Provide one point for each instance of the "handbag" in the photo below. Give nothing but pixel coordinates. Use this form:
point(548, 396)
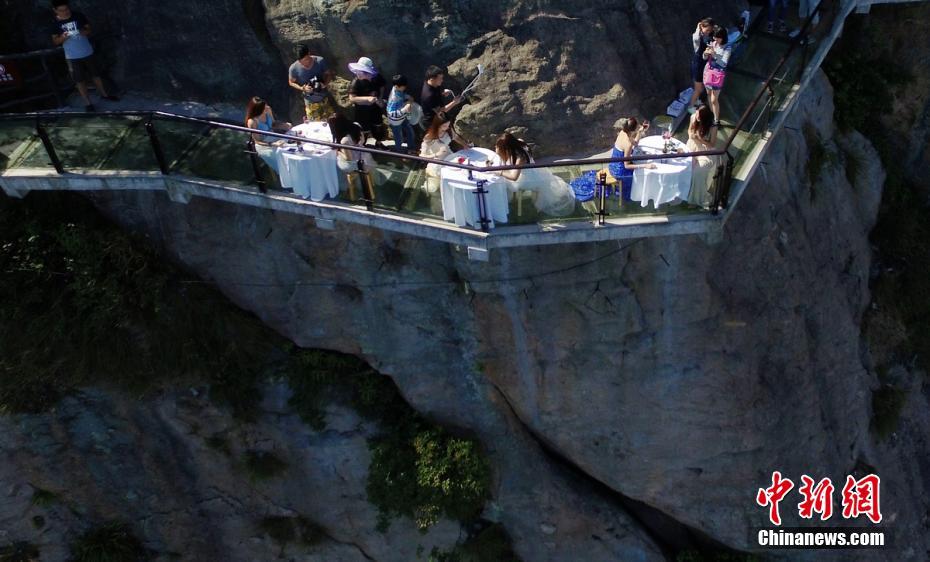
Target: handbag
point(713, 77)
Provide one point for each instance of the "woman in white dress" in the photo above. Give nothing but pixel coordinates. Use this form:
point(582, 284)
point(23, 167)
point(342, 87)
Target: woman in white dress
point(702, 135)
point(552, 195)
point(436, 141)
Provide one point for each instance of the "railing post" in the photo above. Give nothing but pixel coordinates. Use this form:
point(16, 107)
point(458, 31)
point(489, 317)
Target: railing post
point(47, 143)
point(600, 191)
point(156, 146)
point(722, 178)
point(368, 195)
point(767, 120)
point(480, 192)
point(256, 167)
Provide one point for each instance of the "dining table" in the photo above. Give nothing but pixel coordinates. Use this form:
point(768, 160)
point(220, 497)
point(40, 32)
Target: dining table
point(309, 169)
point(669, 181)
point(458, 189)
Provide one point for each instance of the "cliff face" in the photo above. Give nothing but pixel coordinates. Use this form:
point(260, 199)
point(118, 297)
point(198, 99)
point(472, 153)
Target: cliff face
point(672, 372)
point(627, 394)
point(175, 468)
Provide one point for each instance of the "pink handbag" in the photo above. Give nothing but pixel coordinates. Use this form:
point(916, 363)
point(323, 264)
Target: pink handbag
point(713, 77)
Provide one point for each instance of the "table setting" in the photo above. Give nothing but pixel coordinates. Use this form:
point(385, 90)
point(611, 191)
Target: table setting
point(459, 202)
point(309, 169)
point(670, 181)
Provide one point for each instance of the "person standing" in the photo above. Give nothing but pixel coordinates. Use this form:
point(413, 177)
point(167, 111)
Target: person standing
point(434, 99)
point(700, 39)
point(398, 108)
point(717, 55)
point(308, 75)
point(365, 93)
point(71, 31)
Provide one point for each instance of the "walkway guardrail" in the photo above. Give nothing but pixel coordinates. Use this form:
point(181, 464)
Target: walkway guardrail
point(166, 143)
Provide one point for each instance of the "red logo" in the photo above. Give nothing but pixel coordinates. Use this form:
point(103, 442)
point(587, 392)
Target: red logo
point(860, 497)
point(773, 495)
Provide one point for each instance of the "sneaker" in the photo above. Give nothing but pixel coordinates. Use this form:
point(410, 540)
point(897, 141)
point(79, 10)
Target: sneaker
point(769, 27)
point(89, 108)
point(110, 98)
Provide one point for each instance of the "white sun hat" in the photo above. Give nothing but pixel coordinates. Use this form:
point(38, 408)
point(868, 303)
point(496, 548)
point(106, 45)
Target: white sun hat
point(364, 64)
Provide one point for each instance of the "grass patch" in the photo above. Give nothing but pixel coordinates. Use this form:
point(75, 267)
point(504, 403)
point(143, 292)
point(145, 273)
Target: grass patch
point(44, 498)
point(887, 403)
point(865, 77)
point(263, 465)
point(864, 74)
point(85, 304)
point(491, 544)
point(112, 542)
point(218, 442)
point(20, 551)
point(820, 157)
point(284, 530)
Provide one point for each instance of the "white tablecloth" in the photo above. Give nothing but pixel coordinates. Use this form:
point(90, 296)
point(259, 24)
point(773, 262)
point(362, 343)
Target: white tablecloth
point(311, 173)
point(459, 203)
point(670, 181)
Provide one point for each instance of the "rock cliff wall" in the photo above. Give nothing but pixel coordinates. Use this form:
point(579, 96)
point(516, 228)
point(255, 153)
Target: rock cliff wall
point(560, 72)
point(670, 373)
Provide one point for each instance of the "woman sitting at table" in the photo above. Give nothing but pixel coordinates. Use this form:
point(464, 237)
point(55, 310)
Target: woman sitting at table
point(702, 135)
point(552, 194)
point(258, 115)
point(436, 141)
point(347, 160)
point(630, 131)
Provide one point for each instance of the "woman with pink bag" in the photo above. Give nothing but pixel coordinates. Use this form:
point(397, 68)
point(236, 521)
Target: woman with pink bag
point(717, 55)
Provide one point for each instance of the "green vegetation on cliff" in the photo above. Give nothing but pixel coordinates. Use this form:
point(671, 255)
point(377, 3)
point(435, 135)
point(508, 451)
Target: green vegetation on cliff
point(866, 78)
point(82, 303)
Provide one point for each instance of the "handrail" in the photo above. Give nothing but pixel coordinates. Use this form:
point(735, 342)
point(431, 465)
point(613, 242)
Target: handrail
point(284, 136)
point(766, 84)
point(724, 150)
point(36, 53)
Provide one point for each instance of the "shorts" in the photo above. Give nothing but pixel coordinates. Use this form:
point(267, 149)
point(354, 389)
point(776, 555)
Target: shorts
point(697, 68)
point(318, 111)
point(82, 69)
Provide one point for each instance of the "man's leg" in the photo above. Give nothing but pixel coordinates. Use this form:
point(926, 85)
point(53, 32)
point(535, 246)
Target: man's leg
point(82, 89)
point(101, 90)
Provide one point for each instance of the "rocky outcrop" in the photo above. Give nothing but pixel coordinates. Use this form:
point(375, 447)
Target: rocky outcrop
point(174, 469)
point(673, 374)
point(559, 72)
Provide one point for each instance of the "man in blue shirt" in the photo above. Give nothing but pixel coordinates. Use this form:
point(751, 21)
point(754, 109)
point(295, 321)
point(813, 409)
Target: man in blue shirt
point(71, 30)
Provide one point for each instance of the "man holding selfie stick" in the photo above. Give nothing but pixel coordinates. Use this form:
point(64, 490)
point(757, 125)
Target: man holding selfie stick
point(70, 31)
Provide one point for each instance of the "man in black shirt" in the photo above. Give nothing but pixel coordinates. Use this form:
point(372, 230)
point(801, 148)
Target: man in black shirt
point(71, 31)
point(434, 99)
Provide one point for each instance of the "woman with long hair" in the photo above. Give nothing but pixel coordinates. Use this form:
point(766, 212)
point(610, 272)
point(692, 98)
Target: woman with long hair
point(702, 136)
point(258, 115)
point(436, 145)
point(552, 194)
point(628, 134)
point(717, 55)
point(350, 134)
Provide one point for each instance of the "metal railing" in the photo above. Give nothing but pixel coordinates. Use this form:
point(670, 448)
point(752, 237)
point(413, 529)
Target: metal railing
point(722, 178)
